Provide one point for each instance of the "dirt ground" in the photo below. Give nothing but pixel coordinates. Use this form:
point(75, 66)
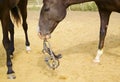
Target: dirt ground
point(76, 38)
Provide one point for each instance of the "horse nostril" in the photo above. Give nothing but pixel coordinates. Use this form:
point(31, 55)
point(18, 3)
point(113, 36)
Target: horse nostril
point(48, 36)
point(43, 36)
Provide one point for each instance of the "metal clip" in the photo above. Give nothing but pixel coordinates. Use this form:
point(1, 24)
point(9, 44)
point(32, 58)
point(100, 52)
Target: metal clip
point(52, 60)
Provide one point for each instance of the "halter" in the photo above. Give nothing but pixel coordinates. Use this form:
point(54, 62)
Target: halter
point(51, 60)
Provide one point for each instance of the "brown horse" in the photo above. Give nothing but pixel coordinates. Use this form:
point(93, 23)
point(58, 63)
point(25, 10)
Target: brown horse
point(54, 11)
point(16, 7)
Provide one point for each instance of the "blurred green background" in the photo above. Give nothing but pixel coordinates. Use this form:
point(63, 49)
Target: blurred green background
point(88, 6)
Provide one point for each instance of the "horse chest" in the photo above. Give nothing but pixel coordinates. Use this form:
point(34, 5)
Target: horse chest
point(2, 3)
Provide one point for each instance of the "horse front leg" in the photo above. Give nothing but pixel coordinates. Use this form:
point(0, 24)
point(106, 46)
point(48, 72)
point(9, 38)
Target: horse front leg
point(23, 10)
point(6, 43)
point(104, 19)
point(11, 30)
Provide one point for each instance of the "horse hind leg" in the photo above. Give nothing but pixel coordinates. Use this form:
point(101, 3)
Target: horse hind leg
point(25, 27)
point(104, 17)
point(23, 11)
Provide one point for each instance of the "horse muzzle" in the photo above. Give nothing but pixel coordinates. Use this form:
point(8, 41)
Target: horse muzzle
point(47, 36)
point(43, 34)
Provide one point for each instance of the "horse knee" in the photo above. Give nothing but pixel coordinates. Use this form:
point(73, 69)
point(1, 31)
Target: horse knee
point(102, 33)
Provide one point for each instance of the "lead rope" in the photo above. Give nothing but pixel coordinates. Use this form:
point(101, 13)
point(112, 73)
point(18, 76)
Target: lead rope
point(51, 60)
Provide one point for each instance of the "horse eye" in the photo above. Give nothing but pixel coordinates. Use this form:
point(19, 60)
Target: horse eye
point(46, 9)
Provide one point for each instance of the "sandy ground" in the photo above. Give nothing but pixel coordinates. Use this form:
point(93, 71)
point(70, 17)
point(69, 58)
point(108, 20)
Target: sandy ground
point(76, 38)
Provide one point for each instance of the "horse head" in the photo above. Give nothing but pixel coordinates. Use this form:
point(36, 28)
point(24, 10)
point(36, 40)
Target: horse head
point(52, 12)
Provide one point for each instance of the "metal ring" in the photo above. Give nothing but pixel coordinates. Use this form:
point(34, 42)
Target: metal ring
point(52, 60)
point(52, 63)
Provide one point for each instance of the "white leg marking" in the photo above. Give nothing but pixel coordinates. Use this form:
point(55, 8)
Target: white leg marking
point(11, 76)
point(97, 58)
point(28, 48)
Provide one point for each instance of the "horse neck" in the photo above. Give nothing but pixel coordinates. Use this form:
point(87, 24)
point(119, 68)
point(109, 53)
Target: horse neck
point(71, 2)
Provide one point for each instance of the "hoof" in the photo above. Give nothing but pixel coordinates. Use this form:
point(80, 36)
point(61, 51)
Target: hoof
point(28, 52)
point(11, 76)
point(96, 60)
point(28, 49)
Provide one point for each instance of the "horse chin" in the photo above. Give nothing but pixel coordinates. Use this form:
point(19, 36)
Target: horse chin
point(44, 36)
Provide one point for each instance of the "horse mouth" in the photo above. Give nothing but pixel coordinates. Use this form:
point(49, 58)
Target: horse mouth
point(47, 36)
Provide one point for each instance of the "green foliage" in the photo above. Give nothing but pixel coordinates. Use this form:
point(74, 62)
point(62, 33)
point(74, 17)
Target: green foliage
point(33, 7)
point(89, 6)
